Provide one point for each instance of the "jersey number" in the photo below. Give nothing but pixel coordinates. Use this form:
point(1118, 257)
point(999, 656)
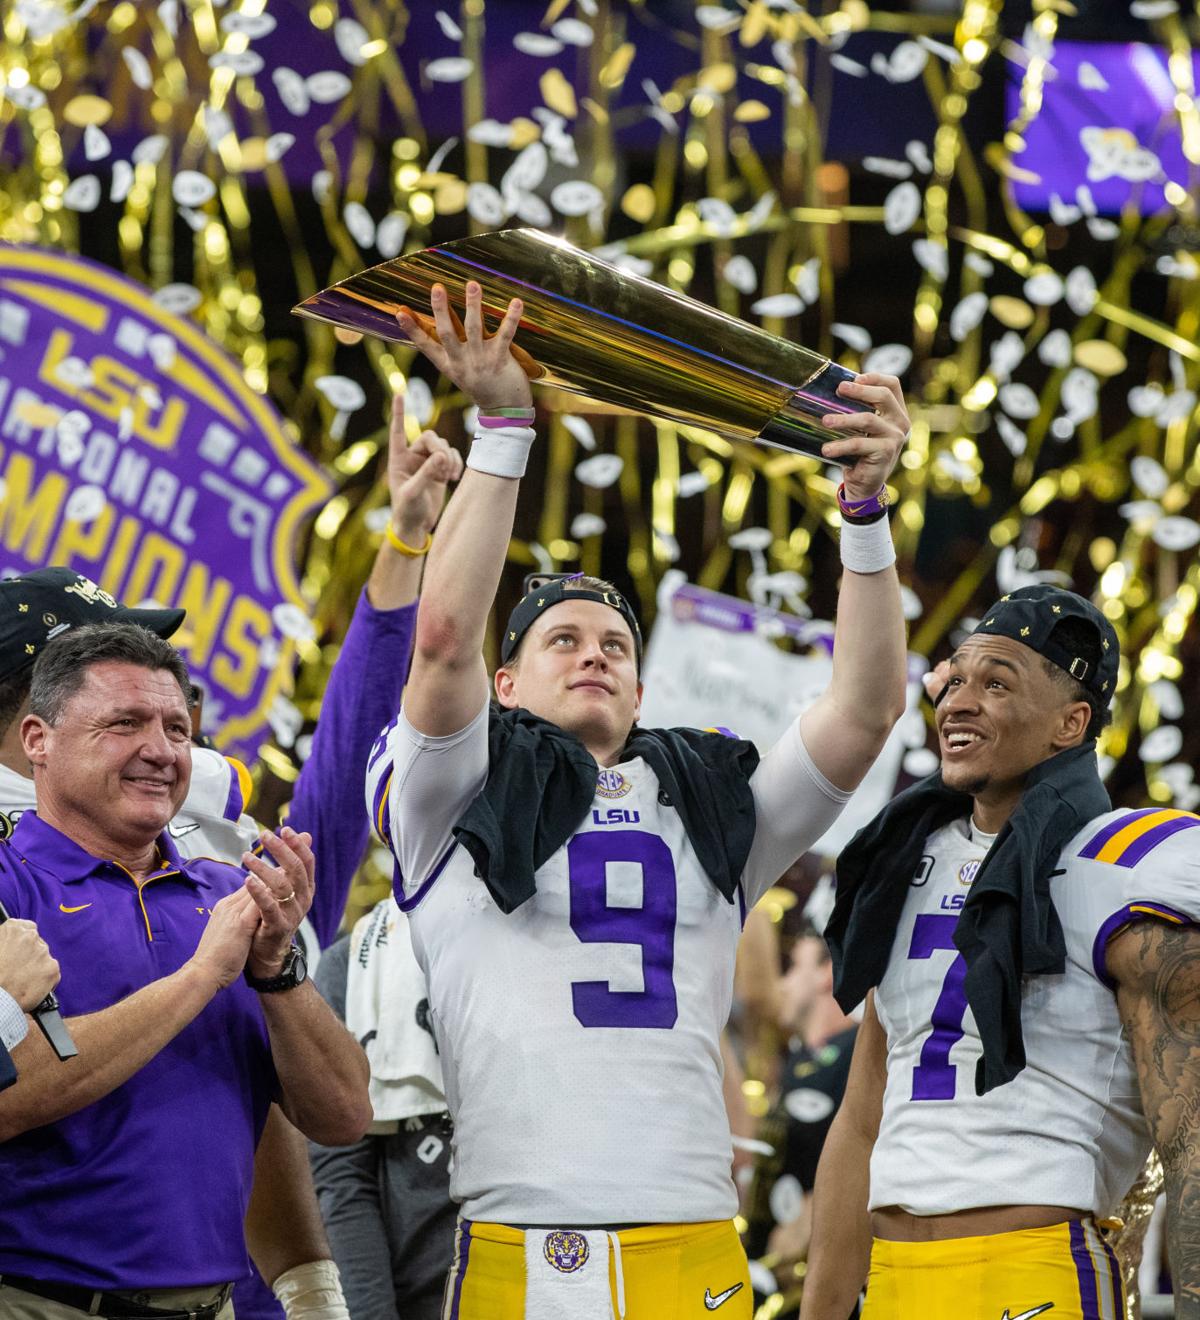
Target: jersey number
point(651, 927)
point(935, 1075)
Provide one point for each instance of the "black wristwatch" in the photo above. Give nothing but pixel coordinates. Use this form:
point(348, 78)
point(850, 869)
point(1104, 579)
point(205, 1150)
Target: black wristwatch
point(294, 972)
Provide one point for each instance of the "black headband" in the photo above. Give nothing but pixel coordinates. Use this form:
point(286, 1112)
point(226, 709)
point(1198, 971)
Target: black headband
point(544, 594)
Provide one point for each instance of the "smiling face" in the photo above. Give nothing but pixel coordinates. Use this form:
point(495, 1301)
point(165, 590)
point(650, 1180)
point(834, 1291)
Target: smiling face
point(577, 667)
point(115, 766)
point(1002, 714)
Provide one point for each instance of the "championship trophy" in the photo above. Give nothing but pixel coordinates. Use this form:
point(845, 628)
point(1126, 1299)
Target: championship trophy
point(610, 336)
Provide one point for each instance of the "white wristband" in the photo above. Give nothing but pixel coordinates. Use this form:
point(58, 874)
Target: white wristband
point(501, 451)
point(312, 1291)
point(867, 547)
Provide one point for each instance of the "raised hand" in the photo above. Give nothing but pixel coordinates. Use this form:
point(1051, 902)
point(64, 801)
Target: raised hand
point(282, 893)
point(417, 476)
point(485, 366)
point(225, 944)
point(873, 440)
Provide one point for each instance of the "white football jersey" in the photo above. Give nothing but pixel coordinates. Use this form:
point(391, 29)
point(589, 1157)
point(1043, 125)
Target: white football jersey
point(1068, 1130)
point(580, 1034)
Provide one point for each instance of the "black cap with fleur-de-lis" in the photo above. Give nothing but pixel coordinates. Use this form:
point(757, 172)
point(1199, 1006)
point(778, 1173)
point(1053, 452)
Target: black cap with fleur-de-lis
point(1036, 617)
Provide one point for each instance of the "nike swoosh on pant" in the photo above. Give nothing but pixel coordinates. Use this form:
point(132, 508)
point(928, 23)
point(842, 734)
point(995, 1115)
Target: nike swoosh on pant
point(713, 1302)
point(1028, 1315)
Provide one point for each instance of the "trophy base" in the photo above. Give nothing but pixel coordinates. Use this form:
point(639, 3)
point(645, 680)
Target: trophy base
point(797, 427)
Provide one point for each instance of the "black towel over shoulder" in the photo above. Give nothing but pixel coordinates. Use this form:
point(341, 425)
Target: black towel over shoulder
point(542, 780)
point(1008, 926)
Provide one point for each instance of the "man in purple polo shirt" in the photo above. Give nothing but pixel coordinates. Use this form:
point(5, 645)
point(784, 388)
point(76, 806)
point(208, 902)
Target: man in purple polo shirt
point(127, 1171)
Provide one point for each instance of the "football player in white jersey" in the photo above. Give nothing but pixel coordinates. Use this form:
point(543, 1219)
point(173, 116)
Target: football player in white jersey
point(983, 1162)
point(579, 983)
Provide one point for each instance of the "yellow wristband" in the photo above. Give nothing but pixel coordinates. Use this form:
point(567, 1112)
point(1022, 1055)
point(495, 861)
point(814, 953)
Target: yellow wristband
point(413, 552)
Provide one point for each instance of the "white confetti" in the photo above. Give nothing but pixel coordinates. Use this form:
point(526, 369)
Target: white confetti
point(527, 170)
point(293, 622)
point(717, 213)
point(717, 19)
point(741, 272)
point(1169, 701)
point(1018, 401)
point(360, 224)
point(918, 153)
point(391, 233)
point(856, 337)
point(82, 194)
point(162, 348)
point(450, 69)
point(907, 62)
point(1149, 476)
point(573, 32)
point(967, 315)
point(901, 208)
point(277, 145)
point(122, 181)
point(932, 257)
point(1146, 400)
point(1091, 78)
point(449, 27)
point(1055, 349)
point(178, 298)
point(752, 538)
point(1080, 394)
point(581, 430)
point(890, 169)
point(1161, 744)
point(1176, 533)
point(351, 37)
point(491, 132)
point(168, 16)
point(138, 66)
point(245, 63)
point(576, 197)
point(27, 97)
point(75, 372)
point(85, 504)
point(939, 48)
point(531, 210)
point(808, 280)
point(1044, 289)
point(536, 43)
point(1176, 407)
point(1006, 354)
point(292, 89)
point(248, 25)
point(217, 126)
point(889, 359)
point(1142, 514)
point(600, 470)
point(1152, 9)
point(327, 86)
point(692, 483)
point(485, 204)
point(667, 543)
point(844, 64)
point(977, 262)
point(587, 524)
point(1103, 231)
point(418, 401)
point(191, 188)
point(779, 304)
point(1012, 435)
point(150, 150)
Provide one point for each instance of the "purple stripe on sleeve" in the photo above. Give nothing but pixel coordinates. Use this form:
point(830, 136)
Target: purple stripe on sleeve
point(464, 1253)
point(407, 904)
point(1085, 1272)
point(1115, 827)
point(233, 800)
point(1122, 917)
point(1152, 838)
point(742, 904)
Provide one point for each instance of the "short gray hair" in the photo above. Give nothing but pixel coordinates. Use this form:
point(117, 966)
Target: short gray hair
point(61, 669)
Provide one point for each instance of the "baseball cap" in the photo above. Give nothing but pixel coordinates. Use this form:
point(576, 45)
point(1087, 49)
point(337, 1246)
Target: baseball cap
point(1033, 615)
point(39, 605)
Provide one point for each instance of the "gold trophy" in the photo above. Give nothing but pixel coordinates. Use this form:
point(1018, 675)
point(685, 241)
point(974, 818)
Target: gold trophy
point(610, 336)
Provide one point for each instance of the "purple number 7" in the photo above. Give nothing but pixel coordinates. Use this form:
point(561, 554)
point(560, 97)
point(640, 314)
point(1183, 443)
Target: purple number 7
point(652, 926)
point(934, 1076)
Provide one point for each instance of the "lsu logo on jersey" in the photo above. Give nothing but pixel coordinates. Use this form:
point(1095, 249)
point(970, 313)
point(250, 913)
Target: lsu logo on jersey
point(612, 784)
point(566, 1252)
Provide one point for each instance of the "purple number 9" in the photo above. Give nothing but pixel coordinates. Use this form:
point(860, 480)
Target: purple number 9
point(651, 926)
point(934, 1077)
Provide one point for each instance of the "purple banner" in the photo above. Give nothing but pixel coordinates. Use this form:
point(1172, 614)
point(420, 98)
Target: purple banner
point(132, 450)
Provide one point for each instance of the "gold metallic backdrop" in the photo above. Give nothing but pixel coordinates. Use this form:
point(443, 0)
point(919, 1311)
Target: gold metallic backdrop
point(1053, 394)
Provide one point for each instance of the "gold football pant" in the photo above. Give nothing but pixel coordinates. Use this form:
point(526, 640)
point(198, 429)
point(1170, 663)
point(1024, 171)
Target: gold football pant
point(659, 1272)
point(1067, 1271)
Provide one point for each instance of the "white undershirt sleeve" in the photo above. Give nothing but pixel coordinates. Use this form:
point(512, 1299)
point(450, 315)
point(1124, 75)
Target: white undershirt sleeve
point(434, 780)
point(795, 804)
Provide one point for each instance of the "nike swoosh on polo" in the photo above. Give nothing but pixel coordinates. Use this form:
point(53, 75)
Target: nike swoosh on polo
point(178, 831)
point(62, 907)
point(721, 1298)
point(1027, 1315)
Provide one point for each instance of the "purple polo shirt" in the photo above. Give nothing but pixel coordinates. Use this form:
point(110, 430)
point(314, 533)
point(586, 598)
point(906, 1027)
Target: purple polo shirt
point(147, 1187)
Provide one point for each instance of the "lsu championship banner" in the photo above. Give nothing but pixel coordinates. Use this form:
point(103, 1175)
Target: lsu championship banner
point(133, 451)
point(712, 662)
